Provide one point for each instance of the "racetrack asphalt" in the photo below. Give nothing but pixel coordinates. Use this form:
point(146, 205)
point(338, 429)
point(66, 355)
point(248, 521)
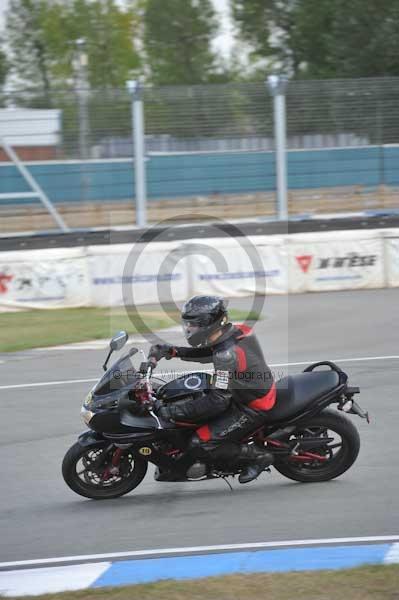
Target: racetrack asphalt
point(40, 517)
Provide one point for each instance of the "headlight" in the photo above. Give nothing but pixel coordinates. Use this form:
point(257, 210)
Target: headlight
point(87, 415)
point(88, 403)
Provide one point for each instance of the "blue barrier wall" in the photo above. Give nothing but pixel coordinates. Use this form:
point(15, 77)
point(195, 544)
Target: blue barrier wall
point(202, 174)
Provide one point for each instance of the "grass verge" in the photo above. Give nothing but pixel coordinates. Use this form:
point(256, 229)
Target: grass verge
point(41, 328)
point(366, 583)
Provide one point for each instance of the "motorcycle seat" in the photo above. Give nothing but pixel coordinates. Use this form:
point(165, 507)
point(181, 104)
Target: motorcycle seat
point(297, 392)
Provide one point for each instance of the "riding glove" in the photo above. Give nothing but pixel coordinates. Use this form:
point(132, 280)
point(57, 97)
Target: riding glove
point(159, 351)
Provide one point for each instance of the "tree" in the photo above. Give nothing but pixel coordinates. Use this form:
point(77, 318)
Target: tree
point(268, 26)
point(42, 37)
point(3, 68)
point(364, 38)
point(177, 41)
point(108, 31)
point(30, 55)
point(321, 38)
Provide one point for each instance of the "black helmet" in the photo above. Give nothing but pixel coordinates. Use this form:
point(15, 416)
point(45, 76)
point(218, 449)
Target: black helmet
point(202, 316)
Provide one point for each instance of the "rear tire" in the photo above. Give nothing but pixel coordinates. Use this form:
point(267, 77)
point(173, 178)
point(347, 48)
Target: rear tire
point(83, 481)
point(338, 463)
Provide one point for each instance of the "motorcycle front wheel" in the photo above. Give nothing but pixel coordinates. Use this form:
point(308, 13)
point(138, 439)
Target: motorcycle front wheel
point(86, 470)
point(337, 455)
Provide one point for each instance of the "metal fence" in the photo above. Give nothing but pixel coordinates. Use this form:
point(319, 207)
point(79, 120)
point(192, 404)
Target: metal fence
point(209, 150)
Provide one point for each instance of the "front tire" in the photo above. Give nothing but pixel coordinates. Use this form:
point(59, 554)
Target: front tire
point(84, 479)
point(333, 423)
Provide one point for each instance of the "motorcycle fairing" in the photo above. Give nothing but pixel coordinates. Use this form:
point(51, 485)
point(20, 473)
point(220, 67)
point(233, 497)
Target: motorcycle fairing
point(138, 424)
point(90, 438)
point(121, 374)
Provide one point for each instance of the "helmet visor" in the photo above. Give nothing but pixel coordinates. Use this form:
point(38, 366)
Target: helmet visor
point(190, 328)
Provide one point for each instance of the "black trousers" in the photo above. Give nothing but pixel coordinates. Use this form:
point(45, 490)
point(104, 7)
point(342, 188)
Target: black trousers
point(233, 425)
point(221, 438)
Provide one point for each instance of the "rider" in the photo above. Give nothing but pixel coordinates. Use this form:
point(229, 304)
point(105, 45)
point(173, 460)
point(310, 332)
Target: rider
point(241, 392)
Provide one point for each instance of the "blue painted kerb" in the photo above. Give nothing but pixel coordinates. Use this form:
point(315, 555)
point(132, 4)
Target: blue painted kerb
point(261, 561)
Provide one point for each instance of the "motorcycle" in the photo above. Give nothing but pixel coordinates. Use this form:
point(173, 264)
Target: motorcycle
point(310, 441)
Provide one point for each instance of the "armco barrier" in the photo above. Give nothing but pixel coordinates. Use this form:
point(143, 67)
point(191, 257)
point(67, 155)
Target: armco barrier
point(171, 271)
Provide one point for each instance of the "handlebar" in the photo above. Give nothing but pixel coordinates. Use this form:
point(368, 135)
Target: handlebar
point(144, 391)
point(147, 367)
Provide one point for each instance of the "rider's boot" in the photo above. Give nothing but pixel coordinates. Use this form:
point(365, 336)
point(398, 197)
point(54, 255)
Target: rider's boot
point(165, 475)
point(254, 460)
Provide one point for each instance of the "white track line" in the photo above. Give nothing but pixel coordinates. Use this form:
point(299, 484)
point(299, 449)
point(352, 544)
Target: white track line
point(177, 373)
point(202, 549)
point(338, 360)
point(45, 383)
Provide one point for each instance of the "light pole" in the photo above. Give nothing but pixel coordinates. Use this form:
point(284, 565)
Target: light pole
point(277, 85)
point(135, 90)
point(82, 87)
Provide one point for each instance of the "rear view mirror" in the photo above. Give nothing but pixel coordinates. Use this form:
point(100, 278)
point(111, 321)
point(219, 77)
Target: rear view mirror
point(118, 340)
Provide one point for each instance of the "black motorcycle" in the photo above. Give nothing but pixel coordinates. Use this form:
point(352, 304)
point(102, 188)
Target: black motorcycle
point(310, 442)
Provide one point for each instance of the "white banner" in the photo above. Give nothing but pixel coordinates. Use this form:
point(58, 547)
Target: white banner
point(392, 259)
point(317, 266)
point(140, 274)
point(238, 267)
point(44, 278)
point(169, 272)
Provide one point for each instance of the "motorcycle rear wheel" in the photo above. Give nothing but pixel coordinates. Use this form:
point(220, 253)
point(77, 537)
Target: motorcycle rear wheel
point(337, 463)
point(88, 482)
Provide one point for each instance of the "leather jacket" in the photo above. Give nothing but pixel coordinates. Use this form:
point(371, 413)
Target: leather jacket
point(241, 377)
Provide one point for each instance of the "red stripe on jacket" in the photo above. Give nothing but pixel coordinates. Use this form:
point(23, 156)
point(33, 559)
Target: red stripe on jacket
point(245, 329)
point(266, 402)
point(241, 359)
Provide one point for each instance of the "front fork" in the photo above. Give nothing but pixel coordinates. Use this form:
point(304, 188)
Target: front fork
point(113, 469)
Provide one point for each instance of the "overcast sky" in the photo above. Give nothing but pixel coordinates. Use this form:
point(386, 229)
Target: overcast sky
point(223, 42)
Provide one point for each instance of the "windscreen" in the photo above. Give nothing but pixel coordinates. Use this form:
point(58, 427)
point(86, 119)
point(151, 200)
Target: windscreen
point(121, 374)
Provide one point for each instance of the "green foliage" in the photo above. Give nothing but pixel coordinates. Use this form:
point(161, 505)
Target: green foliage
point(108, 31)
point(364, 38)
point(30, 58)
point(42, 36)
point(3, 75)
point(3, 67)
point(177, 38)
point(217, 111)
point(268, 26)
point(323, 39)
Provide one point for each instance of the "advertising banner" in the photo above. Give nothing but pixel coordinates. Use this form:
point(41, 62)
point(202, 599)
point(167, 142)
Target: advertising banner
point(134, 275)
point(329, 265)
point(392, 260)
point(44, 279)
point(170, 272)
point(238, 267)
